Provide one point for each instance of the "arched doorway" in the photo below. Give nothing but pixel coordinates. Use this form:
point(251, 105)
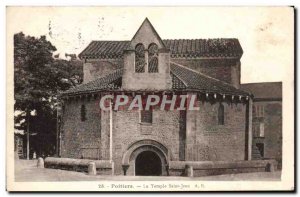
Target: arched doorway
point(130, 163)
point(148, 163)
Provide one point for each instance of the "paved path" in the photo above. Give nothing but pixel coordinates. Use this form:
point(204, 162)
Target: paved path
point(27, 171)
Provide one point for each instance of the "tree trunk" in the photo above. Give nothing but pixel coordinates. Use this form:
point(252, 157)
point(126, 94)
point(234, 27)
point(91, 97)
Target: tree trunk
point(57, 133)
point(28, 134)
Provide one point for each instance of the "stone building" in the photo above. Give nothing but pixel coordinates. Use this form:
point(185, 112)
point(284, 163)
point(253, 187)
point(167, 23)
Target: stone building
point(154, 141)
point(267, 120)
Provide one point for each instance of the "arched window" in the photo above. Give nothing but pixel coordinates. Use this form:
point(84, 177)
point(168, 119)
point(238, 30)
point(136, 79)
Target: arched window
point(221, 114)
point(83, 113)
point(139, 58)
point(153, 58)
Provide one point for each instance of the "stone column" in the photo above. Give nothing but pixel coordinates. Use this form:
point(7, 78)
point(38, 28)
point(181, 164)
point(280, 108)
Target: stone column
point(189, 171)
point(249, 130)
point(125, 168)
point(182, 135)
point(105, 132)
point(129, 69)
point(146, 61)
point(92, 168)
point(87, 77)
point(236, 74)
point(191, 120)
point(110, 131)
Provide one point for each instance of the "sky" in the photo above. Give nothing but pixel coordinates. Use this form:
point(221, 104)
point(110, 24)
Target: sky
point(266, 33)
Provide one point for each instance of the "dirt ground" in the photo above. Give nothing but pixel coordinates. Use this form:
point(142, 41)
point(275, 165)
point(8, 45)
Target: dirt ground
point(26, 171)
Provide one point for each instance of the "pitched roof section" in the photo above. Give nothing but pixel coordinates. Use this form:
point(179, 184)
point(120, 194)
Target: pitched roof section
point(265, 90)
point(145, 23)
point(183, 79)
point(179, 48)
point(177, 84)
point(112, 81)
point(204, 47)
point(200, 82)
point(104, 49)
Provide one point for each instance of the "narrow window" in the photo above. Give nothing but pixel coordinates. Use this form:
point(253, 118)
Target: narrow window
point(255, 130)
point(221, 114)
point(83, 113)
point(254, 111)
point(261, 129)
point(146, 116)
point(262, 111)
point(259, 111)
point(153, 58)
point(139, 58)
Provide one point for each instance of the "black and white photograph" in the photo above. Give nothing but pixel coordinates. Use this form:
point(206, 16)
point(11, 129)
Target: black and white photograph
point(150, 98)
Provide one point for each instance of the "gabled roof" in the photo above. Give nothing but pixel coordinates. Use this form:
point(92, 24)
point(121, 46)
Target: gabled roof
point(147, 22)
point(183, 79)
point(264, 90)
point(178, 48)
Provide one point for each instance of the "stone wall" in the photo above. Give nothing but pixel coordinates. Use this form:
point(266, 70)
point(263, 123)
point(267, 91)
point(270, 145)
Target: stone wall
point(227, 70)
point(204, 139)
point(208, 168)
point(93, 69)
point(146, 81)
point(272, 120)
point(208, 141)
point(81, 139)
point(127, 130)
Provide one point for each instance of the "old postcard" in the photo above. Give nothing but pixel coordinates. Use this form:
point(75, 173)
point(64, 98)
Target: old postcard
point(150, 98)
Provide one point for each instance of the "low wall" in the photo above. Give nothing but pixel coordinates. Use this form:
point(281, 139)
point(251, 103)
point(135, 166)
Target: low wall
point(207, 168)
point(176, 168)
point(103, 167)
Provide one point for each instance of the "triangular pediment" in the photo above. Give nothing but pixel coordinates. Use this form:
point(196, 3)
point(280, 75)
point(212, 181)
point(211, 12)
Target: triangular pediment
point(146, 35)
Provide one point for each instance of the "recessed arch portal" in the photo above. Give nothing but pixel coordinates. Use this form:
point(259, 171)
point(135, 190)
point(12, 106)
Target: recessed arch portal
point(135, 155)
point(148, 163)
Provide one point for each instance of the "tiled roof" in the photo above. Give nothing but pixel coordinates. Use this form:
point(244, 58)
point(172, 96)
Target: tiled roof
point(204, 47)
point(112, 81)
point(104, 49)
point(177, 84)
point(264, 90)
point(200, 82)
point(183, 78)
point(179, 48)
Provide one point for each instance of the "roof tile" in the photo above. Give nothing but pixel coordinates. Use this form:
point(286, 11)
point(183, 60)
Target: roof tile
point(178, 48)
point(183, 78)
point(200, 82)
point(111, 81)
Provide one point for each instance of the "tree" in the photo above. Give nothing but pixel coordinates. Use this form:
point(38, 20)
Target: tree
point(38, 78)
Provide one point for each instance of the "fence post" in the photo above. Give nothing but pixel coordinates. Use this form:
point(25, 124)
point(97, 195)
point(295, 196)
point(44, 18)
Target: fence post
point(40, 162)
point(189, 171)
point(92, 168)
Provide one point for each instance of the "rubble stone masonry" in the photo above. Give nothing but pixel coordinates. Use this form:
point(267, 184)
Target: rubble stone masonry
point(195, 136)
